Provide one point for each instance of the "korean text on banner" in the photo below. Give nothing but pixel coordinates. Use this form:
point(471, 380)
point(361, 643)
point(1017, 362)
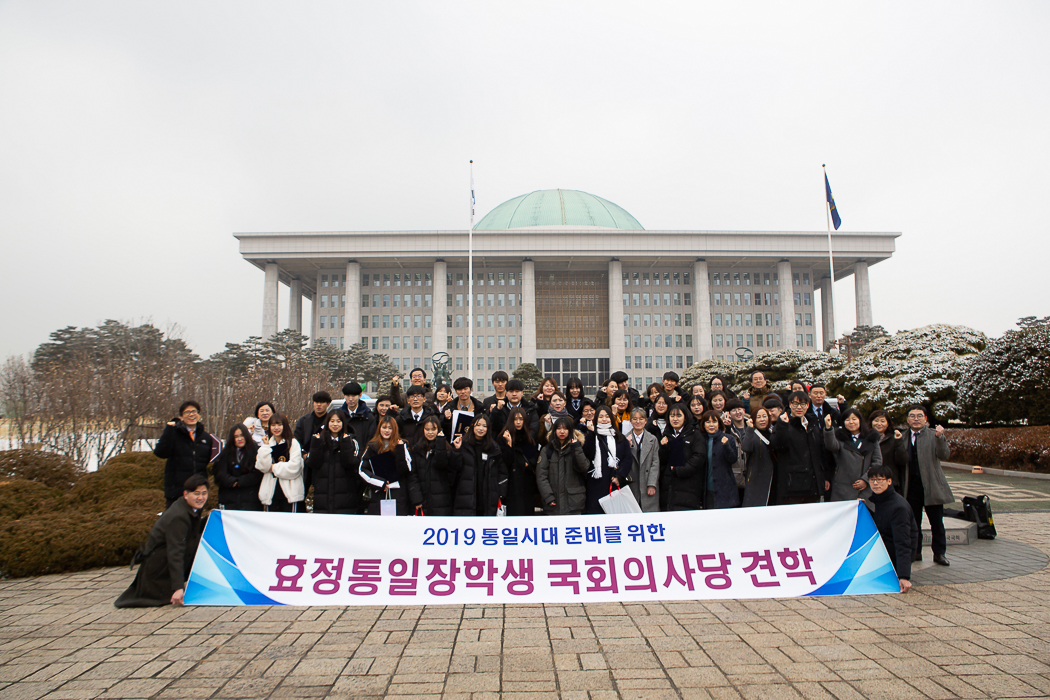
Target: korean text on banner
point(248, 558)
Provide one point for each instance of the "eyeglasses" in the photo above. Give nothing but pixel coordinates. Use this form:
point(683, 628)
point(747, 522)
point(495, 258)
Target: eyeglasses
point(799, 403)
point(878, 480)
point(190, 412)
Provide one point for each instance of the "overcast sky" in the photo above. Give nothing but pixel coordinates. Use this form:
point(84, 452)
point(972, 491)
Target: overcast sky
point(137, 137)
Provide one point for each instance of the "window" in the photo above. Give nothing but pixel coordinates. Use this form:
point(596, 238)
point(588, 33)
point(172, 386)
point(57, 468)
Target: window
point(689, 341)
point(678, 319)
point(717, 299)
point(718, 319)
point(809, 319)
point(747, 319)
point(806, 298)
point(324, 280)
point(364, 300)
point(429, 281)
point(798, 299)
point(459, 320)
point(678, 341)
point(798, 340)
point(459, 342)
point(637, 341)
point(397, 321)
point(736, 278)
point(750, 341)
point(645, 297)
point(375, 322)
point(677, 299)
point(637, 319)
point(492, 320)
point(417, 321)
point(739, 319)
point(805, 278)
point(426, 342)
point(492, 300)
point(364, 280)
point(636, 299)
point(645, 320)
point(688, 299)
point(459, 300)
point(417, 300)
point(375, 342)
point(459, 279)
point(747, 299)
point(809, 340)
point(675, 277)
point(364, 321)
point(448, 321)
point(798, 319)
point(645, 278)
point(324, 301)
point(688, 319)
point(322, 321)
point(627, 320)
point(428, 300)
point(758, 319)
point(386, 343)
point(648, 361)
point(416, 342)
point(685, 278)
point(501, 320)
point(658, 341)
point(728, 301)
point(656, 319)
point(656, 299)
point(481, 300)
point(747, 279)
point(729, 340)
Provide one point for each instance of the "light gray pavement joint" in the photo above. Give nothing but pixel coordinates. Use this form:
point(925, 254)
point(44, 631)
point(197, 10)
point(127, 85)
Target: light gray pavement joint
point(60, 638)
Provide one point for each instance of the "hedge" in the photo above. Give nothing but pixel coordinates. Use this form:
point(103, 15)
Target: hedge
point(1024, 449)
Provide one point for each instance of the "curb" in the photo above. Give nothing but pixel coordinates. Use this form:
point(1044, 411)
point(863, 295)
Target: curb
point(996, 472)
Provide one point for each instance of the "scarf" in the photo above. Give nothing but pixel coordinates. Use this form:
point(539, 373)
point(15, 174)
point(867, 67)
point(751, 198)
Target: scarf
point(605, 454)
point(555, 415)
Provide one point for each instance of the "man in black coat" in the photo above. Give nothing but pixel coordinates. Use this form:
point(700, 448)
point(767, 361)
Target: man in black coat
point(624, 382)
point(465, 403)
point(798, 441)
point(359, 418)
point(515, 399)
point(167, 556)
point(310, 425)
point(410, 418)
point(187, 447)
point(895, 521)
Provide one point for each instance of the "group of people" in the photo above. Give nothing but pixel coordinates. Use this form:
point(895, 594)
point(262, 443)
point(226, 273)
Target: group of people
point(441, 451)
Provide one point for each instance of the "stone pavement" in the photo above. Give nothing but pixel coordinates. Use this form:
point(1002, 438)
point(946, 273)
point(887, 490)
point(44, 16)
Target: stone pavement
point(60, 637)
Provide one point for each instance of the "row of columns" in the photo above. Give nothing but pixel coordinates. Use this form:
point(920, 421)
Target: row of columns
point(351, 331)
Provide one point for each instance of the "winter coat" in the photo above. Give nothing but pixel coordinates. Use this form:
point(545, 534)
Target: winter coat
point(481, 482)
point(434, 474)
point(896, 524)
point(645, 470)
point(498, 418)
point(362, 421)
point(305, 428)
point(755, 399)
point(167, 557)
point(894, 454)
point(800, 467)
point(334, 464)
point(722, 491)
point(521, 476)
point(464, 421)
point(931, 450)
point(185, 456)
point(654, 428)
point(683, 470)
point(229, 471)
point(636, 399)
point(577, 410)
point(561, 477)
point(852, 462)
point(599, 488)
point(411, 430)
point(393, 467)
point(740, 465)
point(288, 473)
point(760, 489)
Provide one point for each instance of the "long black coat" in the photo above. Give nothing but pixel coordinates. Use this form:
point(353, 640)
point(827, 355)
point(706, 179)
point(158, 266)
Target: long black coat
point(894, 453)
point(464, 421)
point(896, 524)
point(406, 493)
point(434, 472)
point(521, 476)
point(362, 422)
point(682, 486)
point(499, 417)
point(337, 484)
point(238, 481)
point(761, 468)
point(722, 491)
point(481, 480)
point(800, 466)
point(599, 488)
point(168, 556)
point(185, 456)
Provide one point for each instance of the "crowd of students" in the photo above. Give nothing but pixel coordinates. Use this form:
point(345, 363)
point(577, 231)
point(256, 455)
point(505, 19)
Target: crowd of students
point(441, 451)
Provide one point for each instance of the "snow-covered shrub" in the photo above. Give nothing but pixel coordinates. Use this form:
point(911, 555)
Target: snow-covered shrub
point(917, 366)
point(781, 366)
point(704, 371)
point(1009, 380)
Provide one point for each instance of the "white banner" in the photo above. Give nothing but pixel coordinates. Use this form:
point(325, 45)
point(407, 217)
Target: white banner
point(310, 559)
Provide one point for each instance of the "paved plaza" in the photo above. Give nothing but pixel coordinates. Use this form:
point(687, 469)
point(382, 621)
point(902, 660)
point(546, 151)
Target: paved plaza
point(60, 637)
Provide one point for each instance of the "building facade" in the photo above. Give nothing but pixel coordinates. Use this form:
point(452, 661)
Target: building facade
point(566, 280)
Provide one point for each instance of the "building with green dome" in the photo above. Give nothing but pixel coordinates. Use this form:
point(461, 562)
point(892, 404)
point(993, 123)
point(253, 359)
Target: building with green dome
point(567, 280)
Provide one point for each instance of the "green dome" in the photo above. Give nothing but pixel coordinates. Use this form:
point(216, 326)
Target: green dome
point(557, 208)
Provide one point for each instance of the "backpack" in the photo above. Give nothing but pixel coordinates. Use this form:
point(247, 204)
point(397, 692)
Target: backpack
point(978, 509)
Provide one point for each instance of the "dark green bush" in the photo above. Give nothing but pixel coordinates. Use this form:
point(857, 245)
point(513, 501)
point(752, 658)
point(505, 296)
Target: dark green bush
point(47, 468)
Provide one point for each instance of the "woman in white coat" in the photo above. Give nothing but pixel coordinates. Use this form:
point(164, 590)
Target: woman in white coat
point(645, 473)
point(280, 459)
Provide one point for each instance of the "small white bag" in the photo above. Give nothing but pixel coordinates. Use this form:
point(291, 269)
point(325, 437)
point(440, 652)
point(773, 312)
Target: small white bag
point(388, 506)
point(619, 502)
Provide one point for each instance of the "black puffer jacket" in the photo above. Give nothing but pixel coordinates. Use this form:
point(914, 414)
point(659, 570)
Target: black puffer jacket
point(720, 488)
point(362, 422)
point(434, 471)
point(561, 477)
point(186, 456)
point(238, 479)
point(896, 524)
point(393, 467)
point(683, 470)
point(333, 465)
point(481, 481)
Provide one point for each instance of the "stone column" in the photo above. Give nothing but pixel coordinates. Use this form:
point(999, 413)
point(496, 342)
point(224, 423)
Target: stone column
point(315, 330)
point(352, 311)
point(827, 311)
point(787, 305)
point(528, 311)
point(271, 280)
point(439, 331)
point(295, 305)
point(616, 351)
point(860, 280)
point(702, 304)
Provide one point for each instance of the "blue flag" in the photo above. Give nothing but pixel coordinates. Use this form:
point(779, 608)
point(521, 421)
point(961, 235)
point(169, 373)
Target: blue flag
point(831, 203)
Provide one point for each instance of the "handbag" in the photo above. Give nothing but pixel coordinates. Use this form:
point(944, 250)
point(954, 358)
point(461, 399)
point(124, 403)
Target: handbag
point(619, 502)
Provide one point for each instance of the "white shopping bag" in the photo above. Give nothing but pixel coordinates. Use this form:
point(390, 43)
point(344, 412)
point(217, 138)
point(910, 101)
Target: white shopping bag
point(388, 506)
point(619, 502)
point(501, 510)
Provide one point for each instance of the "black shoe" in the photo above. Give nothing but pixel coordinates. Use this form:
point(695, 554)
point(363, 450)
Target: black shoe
point(940, 559)
point(917, 556)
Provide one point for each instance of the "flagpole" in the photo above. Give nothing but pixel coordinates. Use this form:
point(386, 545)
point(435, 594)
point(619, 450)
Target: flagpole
point(831, 259)
point(470, 279)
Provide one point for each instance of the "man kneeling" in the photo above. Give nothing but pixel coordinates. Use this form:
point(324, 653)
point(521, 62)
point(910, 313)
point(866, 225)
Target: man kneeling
point(896, 524)
point(168, 553)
